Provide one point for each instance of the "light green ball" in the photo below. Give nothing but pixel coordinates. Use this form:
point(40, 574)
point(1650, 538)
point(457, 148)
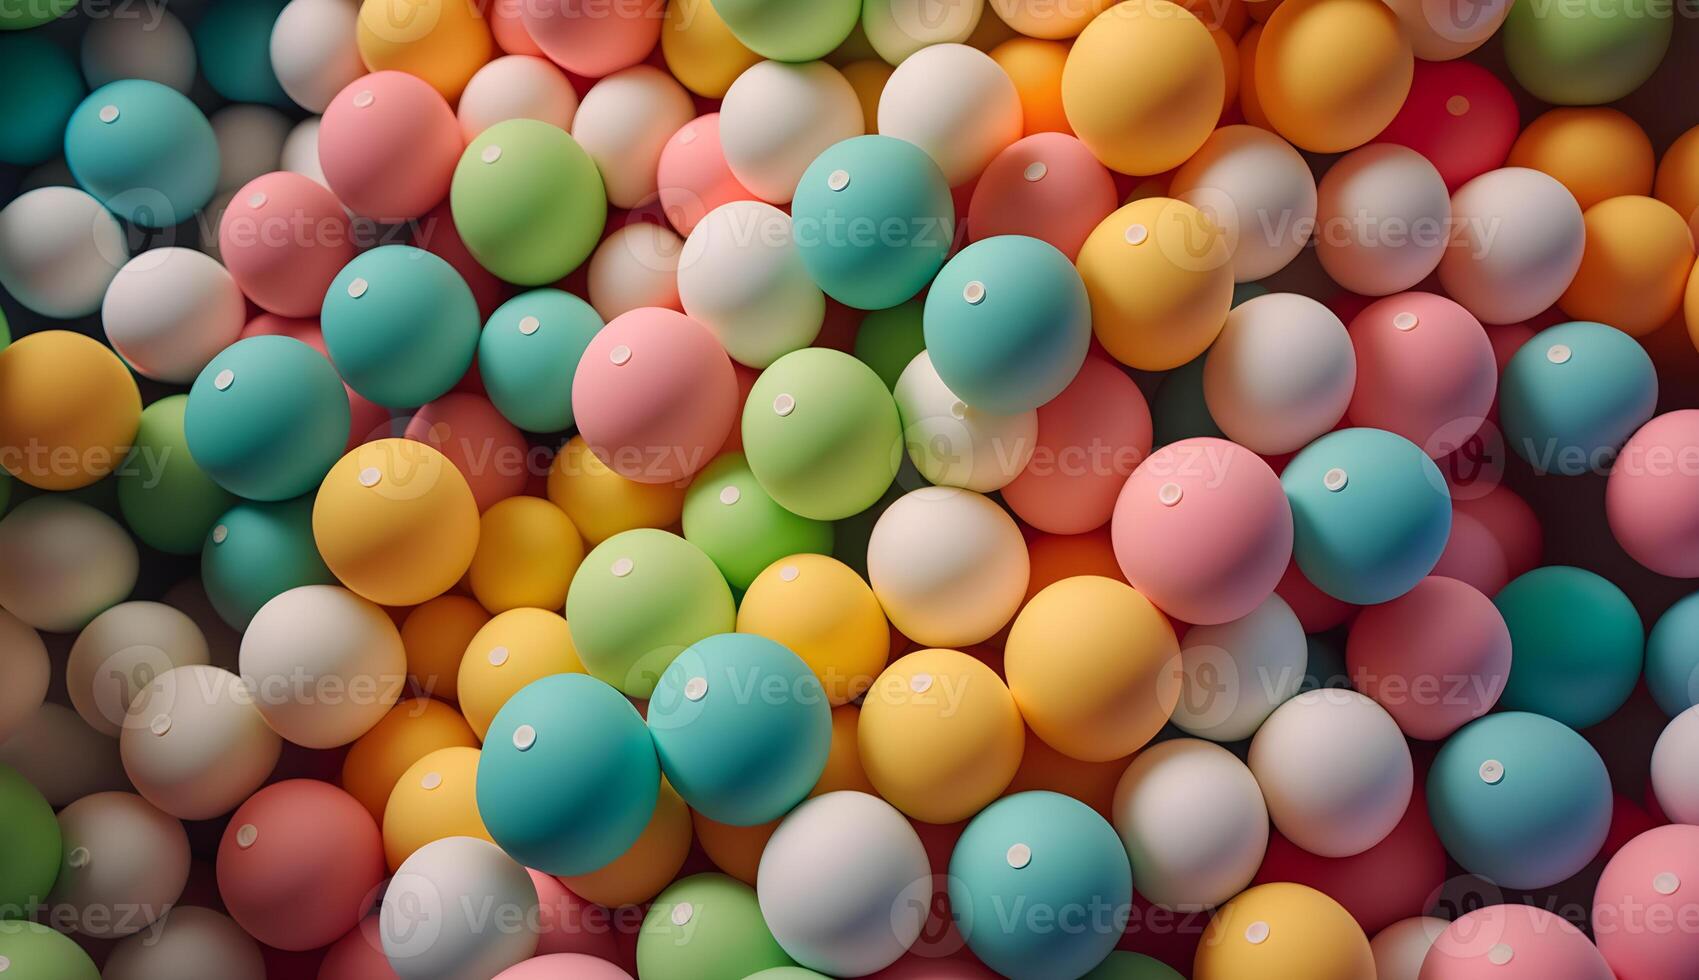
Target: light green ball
point(1575, 53)
point(789, 30)
point(528, 201)
point(735, 522)
point(725, 937)
point(21, 15)
point(40, 953)
point(889, 339)
point(29, 863)
point(166, 498)
point(263, 551)
point(1122, 965)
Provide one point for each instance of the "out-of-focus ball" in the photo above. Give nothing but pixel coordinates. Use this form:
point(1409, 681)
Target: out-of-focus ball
point(528, 354)
point(1578, 643)
point(1283, 931)
point(1647, 501)
point(1036, 67)
point(956, 444)
point(195, 743)
point(27, 667)
point(62, 563)
point(1035, 18)
point(69, 410)
point(1377, 187)
point(1401, 947)
point(1439, 32)
point(250, 142)
point(1597, 153)
point(1249, 181)
point(284, 238)
point(154, 46)
point(592, 39)
point(192, 943)
point(639, 874)
point(1280, 374)
point(61, 756)
point(145, 151)
point(413, 729)
point(888, 340)
point(42, 89)
point(263, 550)
point(1573, 395)
point(1236, 673)
point(487, 450)
point(624, 122)
point(897, 29)
point(1635, 266)
point(734, 522)
point(1672, 658)
point(1585, 57)
point(1519, 799)
point(527, 553)
point(301, 151)
point(430, 923)
point(777, 118)
point(389, 144)
point(1047, 186)
point(709, 925)
point(516, 87)
point(168, 311)
point(35, 949)
point(1513, 942)
point(948, 565)
point(59, 249)
point(785, 32)
point(508, 652)
point(1650, 876)
point(443, 42)
point(955, 103)
point(704, 52)
point(233, 45)
point(602, 503)
point(434, 798)
point(28, 870)
point(741, 275)
point(315, 51)
point(1331, 74)
point(636, 265)
point(400, 325)
point(1673, 766)
point(120, 652)
point(1425, 371)
point(576, 965)
point(820, 609)
point(1536, 246)
point(693, 175)
point(1459, 116)
point(125, 864)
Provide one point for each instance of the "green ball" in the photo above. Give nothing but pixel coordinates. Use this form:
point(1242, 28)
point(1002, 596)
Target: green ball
point(889, 339)
point(528, 201)
point(729, 516)
point(788, 973)
point(1122, 965)
point(39, 88)
point(29, 863)
point(527, 367)
point(1577, 644)
point(1585, 54)
point(5, 331)
point(19, 15)
point(233, 44)
point(166, 498)
point(822, 434)
point(262, 551)
point(39, 953)
point(638, 600)
point(785, 30)
point(723, 938)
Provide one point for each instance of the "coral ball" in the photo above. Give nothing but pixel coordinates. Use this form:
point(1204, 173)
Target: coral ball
point(1425, 371)
point(389, 144)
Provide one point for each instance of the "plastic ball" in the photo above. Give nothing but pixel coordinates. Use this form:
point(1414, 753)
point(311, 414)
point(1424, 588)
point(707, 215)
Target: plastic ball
point(1513, 941)
point(62, 563)
point(314, 50)
point(896, 29)
point(1677, 181)
point(940, 735)
point(1672, 660)
point(1439, 32)
point(734, 522)
point(1047, 186)
point(1235, 674)
point(263, 550)
point(888, 340)
point(120, 652)
point(529, 374)
point(1401, 947)
point(69, 410)
point(602, 503)
point(527, 553)
point(487, 450)
point(59, 249)
point(1143, 86)
point(233, 45)
point(27, 667)
point(592, 39)
point(1123, 965)
point(1035, 18)
point(693, 175)
point(1203, 530)
point(1635, 267)
point(624, 123)
point(412, 730)
point(1193, 822)
point(1572, 396)
point(948, 565)
point(636, 265)
point(1578, 642)
point(1243, 178)
point(1364, 195)
point(820, 609)
point(1331, 74)
point(1534, 253)
point(1283, 931)
point(389, 145)
point(741, 275)
point(1036, 67)
point(719, 933)
point(167, 313)
point(1642, 884)
point(35, 949)
point(433, 798)
point(1584, 57)
point(1425, 371)
point(433, 920)
point(576, 965)
point(647, 867)
point(777, 118)
point(43, 88)
point(400, 325)
point(195, 743)
point(1597, 153)
point(1673, 786)
point(145, 151)
point(955, 103)
point(191, 943)
point(703, 51)
point(508, 652)
point(1519, 799)
point(436, 634)
point(952, 443)
point(66, 760)
point(28, 870)
point(443, 42)
point(516, 87)
point(1280, 374)
point(125, 865)
point(1459, 116)
point(784, 32)
point(284, 239)
point(250, 143)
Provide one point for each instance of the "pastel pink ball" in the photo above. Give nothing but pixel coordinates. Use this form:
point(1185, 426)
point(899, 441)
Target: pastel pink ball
point(1473, 554)
point(563, 966)
point(1459, 116)
point(569, 924)
point(1202, 528)
point(358, 955)
point(284, 237)
point(1047, 186)
point(1513, 942)
point(1425, 371)
point(1643, 897)
point(593, 37)
point(1511, 521)
point(1652, 496)
point(693, 175)
point(507, 23)
point(482, 444)
point(1317, 611)
point(655, 395)
point(389, 144)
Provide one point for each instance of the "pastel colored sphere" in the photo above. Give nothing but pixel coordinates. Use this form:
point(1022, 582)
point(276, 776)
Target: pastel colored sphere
point(62, 563)
point(120, 852)
point(636, 265)
point(897, 29)
point(1634, 269)
point(145, 151)
point(1331, 74)
point(576, 965)
point(120, 652)
point(388, 144)
point(509, 651)
point(1644, 499)
point(645, 868)
point(263, 550)
point(1280, 374)
point(34, 947)
point(487, 450)
point(518, 86)
point(824, 613)
point(63, 757)
point(1036, 67)
point(1573, 395)
point(1519, 799)
point(400, 325)
point(1046, 186)
point(1513, 941)
point(889, 340)
point(529, 375)
point(432, 799)
point(195, 744)
point(167, 500)
point(602, 503)
point(954, 102)
point(284, 239)
point(1459, 116)
point(734, 522)
point(948, 565)
point(592, 39)
point(192, 943)
point(315, 51)
point(1054, 852)
point(1648, 873)
point(1235, 674)
point(1389, 186)
point(1537, 247)
point(441, 41)
point(1672, 660)
point(693, 175)
point(1217, 550)
point(1283, 931)
point(624, 122)
point(741, 275)
point(62, 248)
point(703, 51)
point(167, 313)
point(233, 47)
point(429, 920)
point(1623, 165)
point(1586, 57)
point(719, 931)
point(26, 662)
point(1425, 371)
point(69, 410)
point(1673, 784)
point(1401, 947)
point(1438, 32)
point(527, 553)
point(250, 145)
point(952, 443)
point(1194, 824)
point(786, 32)
point(1241, 178)
point(27, 873)
point(35, 125)
point(412, 730)
point(1037, 19)
point(1578, 645)
point(777, 118)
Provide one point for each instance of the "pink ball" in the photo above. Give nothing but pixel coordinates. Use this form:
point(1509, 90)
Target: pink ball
point(1425, 371)
point(563, 966)
point(1644, 908)
point(482, 444)
point(369, 420)
point(389, 145)
point(1511, 521)
point(569, 924)
point(437, 234)
point(1473, 554)
point(358, 955)
point(693, 175)
point(1436, 657)
point(1047, 186)
point(1090, 438)
point(299, 864)
point(1202, 528)
point(655, 395)
point(1513, 942)
point(1317, 611)
point(507, 23)
point(284, 237)
point(593, 37)
point(1459, 116)
point(1652, 495)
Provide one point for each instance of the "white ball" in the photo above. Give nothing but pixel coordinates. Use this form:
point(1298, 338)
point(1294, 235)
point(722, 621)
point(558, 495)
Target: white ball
point(1193, 822)
point(625, 122)
point(881, 884)
point(1675, 768)
point(1383, 219)
point(144, 41)
point(1335, 771)
point(323, 663)
point(899, 28)
point(634, 267)
point(121, 652)
point(1441, 30)
point(125, 864)
point(62, 563)
point(955, 103)
point(741, 275)
point(1400, 948)
point(191, 944)
point(948, 565)
point(250, 142)
point(439, 908)
point(195, 744)
point(952, 443)
point(62, 757)
point(517, 86)
point(59, 248)
point(1258, 190)
point(1237, 673)
point(777, 117)
point(1280, 374)
point(301, 152)
point(24, 664)
point(314, 51)
point(1518, 243)
point(171, 310)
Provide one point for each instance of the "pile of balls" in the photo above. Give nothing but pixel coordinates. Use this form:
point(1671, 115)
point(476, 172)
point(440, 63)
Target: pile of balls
point(932, 489)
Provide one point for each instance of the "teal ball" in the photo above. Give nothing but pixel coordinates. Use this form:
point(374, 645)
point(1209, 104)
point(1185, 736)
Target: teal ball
point(262, 551)
point(233, 45)
point(40, 86)
point(528, 353)
point(1573, 394)
point(401, 325)
point(1576, 645)
point(1672, 657)
point(145, 151)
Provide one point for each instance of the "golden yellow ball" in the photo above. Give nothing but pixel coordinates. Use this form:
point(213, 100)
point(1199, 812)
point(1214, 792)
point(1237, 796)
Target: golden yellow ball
point(413, 729)
point(1283, 931)
point(512, 650)
point(826, 614)
point(528, 551)
point(444, 42)
point(1047, 18)
point(601, 503)
point(1331, 74)
point(700, 50)
point(435, 798)
point(69, 409)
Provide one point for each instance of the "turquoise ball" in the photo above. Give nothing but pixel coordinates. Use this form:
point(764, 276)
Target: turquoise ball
point(567, 779)
point(40, 86)
point(742, 727)
point(233, 44)
point(1573, 394)
point(1057, 859)
point(1576, 645)
point(267, 418)
point(145, 151)
point(873, 219)
point(1008, 323)
point(528, 353)
point(263, 551)
point(1520, 799)
point(1370, 514)
point(1672, 657)
point(401, 325)
point(1178, 409)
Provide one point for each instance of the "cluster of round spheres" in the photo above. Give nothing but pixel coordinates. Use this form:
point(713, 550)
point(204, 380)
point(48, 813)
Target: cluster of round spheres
point(931, 489)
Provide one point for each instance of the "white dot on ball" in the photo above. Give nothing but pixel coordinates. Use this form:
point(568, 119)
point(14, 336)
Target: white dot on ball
point(1169, 494)
point(257, 200)
point(1257, 933)
point(688, 136)
point(220, 534)
point(682, 913)
point(730, 495)
point(370, 476)
point(620, 355)
point(530, 325)
point(491, 154)
point(224, 380)
point(837, 180)
point(1500, 955)
point(1035, 171)
point(784, 405)
point(789, 573)
point(958, 410)
point(1457, 105)
point(524, 737)
point(974, 292)
point(1492, 772)
point(246, 835)
point(78, 858)
point(432, 780)
point(160, 724)
point(108, 113)
point(1019, 856)
point(498, 656)
point(696, 689)
point(1405, 321)
point(920, 683)
point(622, 567)
point(1136, 234)
point(1559, 353)
point(364, 98)
point(1666, 884)
point(1335, 479)
point(5, 964)
point(358, 287)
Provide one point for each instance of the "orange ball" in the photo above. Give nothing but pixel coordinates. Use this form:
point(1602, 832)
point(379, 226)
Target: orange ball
point(1055, 557)
point(601, 503)
point(843, 761)
point(1092, 783)
point(1035, 67)
point(1249, 105)
point(1597, 153)
point(1635, 266)
point(648, 865)
point(734, 850)
point(868, 78)
point(1678, 173)
point(413, 729)
point(69, 409)
point(1229, 65)
point(435, 635)
point(444, 42)
point(1331, 74)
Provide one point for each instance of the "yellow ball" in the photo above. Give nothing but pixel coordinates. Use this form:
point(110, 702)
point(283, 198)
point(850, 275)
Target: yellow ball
point(648, 865)
point(826, 614)
point(940, 735)
point(69, 409)
point(1093, 667)
point(396, 522)
point(1635, 266)
point(512, 650)
point(436, 797)
point(1283, 932)
point(1047, 18)
point(868, 78)
point(444, 42)
point(435, 635)
point(1598, 153)
point(1331, 74)
point(1143, 86)
point(700, 50)
point(601, 503)
point(1160, 282)
point(1036, 69)
point(527, 553)
point(413, 729)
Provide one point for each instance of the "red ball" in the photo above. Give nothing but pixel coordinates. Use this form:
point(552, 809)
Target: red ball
point(358, 955)
point(482, 444)
point(1317, 611)
point(1459, 116)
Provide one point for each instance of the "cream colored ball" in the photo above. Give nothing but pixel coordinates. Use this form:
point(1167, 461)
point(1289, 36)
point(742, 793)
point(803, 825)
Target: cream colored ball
point(635, 266)
point(518, 86)
point(742, 277)
point(121, 652)
point(955, 103)
point(949, 566)
point(1258, 190)
point(624, 122)
point(777, 117)
point(954, 444)
point(195, 744)
point(62, 563)
point(1382, 219)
